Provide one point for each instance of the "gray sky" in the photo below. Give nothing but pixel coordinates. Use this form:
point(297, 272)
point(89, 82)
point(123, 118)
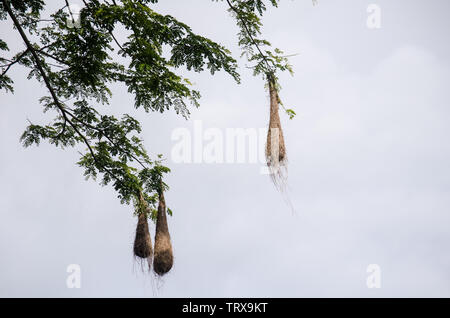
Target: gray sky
point(368, 170)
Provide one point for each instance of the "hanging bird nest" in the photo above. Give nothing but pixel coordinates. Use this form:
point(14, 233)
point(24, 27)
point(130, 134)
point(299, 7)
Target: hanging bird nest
point(142, 242)
point(163, 258)
point(275, 147)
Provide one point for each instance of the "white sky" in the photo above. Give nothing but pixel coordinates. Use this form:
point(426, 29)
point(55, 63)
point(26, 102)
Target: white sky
point(368, 170)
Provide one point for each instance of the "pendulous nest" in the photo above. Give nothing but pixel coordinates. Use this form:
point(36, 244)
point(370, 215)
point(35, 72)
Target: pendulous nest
point(142, 242)
point(275, 147)
point(163, 258)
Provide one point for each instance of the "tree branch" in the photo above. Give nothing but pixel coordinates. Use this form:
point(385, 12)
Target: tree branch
point(50, 87)
point(107, 137)
point(41, 51)
point(8, 66)
point(250, 35)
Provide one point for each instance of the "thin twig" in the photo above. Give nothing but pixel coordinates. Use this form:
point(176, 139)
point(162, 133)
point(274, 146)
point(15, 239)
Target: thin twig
point(8, 66)
point(41, 51)
point(250, 35)
point(50, 87)
point(107, 137)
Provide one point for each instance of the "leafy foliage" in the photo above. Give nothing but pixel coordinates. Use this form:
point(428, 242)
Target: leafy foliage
point(78, 64)
point(266, 61)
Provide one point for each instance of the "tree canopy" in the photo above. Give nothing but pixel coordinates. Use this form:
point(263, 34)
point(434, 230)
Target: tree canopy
point(77, 63)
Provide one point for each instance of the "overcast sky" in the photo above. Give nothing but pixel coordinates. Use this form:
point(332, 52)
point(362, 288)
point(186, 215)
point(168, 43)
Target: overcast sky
point(369, 172)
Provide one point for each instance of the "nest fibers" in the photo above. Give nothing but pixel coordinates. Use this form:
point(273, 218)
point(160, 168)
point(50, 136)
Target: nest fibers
point(275, 148)
point(163, 258)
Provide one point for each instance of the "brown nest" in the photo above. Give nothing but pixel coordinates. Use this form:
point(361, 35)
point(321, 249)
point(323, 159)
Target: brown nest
point(275, 147)
point(142, 242)
point(163, 258)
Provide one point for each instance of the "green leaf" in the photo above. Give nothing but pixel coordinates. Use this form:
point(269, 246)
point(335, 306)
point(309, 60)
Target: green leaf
point(290, 113)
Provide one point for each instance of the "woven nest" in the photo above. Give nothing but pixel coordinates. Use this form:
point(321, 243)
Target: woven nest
point(163, 257)
point(275, 147)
